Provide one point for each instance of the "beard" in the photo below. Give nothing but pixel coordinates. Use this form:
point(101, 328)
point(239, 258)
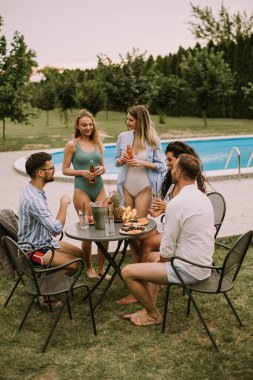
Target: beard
point(49, 179)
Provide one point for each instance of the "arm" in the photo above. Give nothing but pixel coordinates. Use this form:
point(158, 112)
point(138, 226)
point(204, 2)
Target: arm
point(155, 159)
point(171, 231)
point(62, 213)
point(100, 170)
point(120, 157)
point(158, 158)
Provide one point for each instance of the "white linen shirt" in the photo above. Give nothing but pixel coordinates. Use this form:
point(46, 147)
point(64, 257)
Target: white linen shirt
point(189, 231)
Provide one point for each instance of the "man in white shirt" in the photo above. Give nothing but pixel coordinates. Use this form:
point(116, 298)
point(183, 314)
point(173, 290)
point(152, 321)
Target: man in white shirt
point(189, 233)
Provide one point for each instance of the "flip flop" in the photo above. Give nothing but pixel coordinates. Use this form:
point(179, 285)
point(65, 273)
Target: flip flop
point(107, 276)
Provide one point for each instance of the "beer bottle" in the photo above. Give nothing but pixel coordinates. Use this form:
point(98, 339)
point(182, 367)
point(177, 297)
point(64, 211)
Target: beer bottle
point(129, 152)
point(92, 171)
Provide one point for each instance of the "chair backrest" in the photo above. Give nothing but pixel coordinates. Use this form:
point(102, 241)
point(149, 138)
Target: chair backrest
point(18, 258)
point(234, 258)
point(8, 227)
point(219, 209)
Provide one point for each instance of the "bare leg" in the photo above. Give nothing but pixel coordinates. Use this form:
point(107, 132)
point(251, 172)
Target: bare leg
point(66, 252)
point(142, 202)
point(101, 258)
point(151, 243)
point(81, 198)
point(136, 277)
point(128, 199)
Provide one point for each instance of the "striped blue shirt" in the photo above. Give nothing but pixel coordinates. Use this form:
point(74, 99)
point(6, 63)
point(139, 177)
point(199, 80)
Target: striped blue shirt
point(36, 223)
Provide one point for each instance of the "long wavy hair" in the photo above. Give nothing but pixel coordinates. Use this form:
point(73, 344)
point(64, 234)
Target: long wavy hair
point(144, 129)
point(94, 135)
point(177, 148)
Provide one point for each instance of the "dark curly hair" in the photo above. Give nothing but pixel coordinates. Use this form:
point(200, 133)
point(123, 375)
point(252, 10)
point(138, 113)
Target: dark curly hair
point(177, 148)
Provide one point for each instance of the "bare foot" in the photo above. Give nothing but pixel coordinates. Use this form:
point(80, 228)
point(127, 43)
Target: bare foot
point(127, 300)
point(128, 316)
point(146, 319)
point(107, 276)
point(91, 273)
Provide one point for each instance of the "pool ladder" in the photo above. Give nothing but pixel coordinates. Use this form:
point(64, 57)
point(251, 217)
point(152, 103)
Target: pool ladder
point(250, 159)
point(238, 153)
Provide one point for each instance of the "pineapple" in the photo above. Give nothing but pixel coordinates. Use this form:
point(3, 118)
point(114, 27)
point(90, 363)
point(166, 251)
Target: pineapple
point(117, 209)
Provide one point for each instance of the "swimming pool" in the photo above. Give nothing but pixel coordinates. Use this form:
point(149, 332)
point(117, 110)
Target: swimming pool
point(212, 151)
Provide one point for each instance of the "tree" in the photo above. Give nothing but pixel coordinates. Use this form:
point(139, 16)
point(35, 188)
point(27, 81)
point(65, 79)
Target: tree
point(209, 78)
point(15, 71)
point(248, 95)
point(132, 81)
point(66, 94)
point(90, 94)
point(44, 97)
point(166, 97)
point(226, 28)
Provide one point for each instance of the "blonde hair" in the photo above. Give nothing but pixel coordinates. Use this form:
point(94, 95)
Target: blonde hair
point(94, 135)
point(144, 129)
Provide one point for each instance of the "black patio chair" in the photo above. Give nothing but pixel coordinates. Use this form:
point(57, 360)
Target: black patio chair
point(9, 227)
point(219, 208)
point(47, 283)
point(220, 282)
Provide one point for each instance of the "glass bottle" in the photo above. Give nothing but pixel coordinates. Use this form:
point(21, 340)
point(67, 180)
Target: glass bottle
point(129, 152)
point(92, 171)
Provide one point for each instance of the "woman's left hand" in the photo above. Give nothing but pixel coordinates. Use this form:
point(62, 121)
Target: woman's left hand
point(99, 170)
point(135, 162)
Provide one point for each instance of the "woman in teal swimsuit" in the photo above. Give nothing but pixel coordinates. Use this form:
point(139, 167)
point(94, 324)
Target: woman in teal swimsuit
point(86, 146)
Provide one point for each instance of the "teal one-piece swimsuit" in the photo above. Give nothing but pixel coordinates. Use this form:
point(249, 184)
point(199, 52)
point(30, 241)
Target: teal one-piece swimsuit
point(81, 161)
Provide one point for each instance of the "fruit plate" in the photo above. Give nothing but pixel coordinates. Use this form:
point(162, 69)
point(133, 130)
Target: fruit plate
point(132, 232)
point(143, 221)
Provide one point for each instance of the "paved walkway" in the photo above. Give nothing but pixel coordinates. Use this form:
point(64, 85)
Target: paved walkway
point(238, 195)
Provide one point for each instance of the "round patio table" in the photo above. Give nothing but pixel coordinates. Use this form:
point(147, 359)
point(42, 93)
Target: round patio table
point(91, 234)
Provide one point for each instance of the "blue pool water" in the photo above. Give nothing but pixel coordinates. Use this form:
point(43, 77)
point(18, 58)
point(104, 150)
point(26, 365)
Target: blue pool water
point(213, 153)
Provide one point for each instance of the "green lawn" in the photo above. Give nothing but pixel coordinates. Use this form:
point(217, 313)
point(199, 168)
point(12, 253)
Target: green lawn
point(123, 351)
point(38, 135)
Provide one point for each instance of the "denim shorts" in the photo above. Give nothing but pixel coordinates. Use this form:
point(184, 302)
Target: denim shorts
point(173, 277)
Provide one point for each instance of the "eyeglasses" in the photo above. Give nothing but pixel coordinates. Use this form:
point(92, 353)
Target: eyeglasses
point(52, 168)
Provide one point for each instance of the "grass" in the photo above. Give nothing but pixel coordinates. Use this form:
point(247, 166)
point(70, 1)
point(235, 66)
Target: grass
point(122, 351)
point(38, 135)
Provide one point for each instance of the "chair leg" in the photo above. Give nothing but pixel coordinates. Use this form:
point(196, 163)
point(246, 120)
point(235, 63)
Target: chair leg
point(12, 292)
point(202, 320)
point(26, 314)
point(91, 311)
point(69, 309)
point(166, 303)
point(54, 325)
point(188, 306)
point(233, 309)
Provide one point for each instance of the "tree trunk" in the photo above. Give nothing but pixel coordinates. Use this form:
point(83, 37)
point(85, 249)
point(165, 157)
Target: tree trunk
point(204, 115)
point(107, 114)
point(3, 132)
point(66, 120)
point(47, 122)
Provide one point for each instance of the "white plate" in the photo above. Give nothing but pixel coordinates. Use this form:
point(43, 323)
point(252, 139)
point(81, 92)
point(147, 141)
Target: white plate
point(133, 232)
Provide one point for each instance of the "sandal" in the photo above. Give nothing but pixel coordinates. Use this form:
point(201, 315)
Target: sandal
point(91, 273)
point(107, 276)
point(44, 302)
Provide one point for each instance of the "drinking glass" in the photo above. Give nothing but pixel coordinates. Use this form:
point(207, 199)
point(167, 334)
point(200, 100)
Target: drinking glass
point(84, 220)
point(109, 225)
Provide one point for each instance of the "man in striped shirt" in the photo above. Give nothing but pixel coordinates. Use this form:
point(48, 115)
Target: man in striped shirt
point(36, 222)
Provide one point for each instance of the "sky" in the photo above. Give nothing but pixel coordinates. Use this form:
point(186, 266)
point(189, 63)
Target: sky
point(72, 33)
